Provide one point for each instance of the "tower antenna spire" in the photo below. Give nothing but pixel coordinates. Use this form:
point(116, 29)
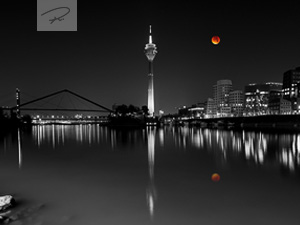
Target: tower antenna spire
point(150, 36)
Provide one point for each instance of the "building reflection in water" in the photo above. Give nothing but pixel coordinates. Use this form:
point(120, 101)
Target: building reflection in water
point(59, 134)
point(161, 137)
point(151, 193)
point(290, 156)
point(113, 138)
point(127, 137)
point(256, 147)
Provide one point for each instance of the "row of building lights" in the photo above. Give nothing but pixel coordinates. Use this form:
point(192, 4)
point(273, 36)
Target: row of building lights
point(257, 99)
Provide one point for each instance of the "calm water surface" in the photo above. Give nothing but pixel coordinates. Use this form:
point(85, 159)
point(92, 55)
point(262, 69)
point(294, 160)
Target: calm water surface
point(88, 174)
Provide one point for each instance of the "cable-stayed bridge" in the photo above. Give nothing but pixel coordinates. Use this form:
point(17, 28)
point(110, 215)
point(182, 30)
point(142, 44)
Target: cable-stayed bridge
point(63, 106)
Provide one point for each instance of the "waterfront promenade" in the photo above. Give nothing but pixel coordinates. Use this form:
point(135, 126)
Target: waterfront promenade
point(275, 122)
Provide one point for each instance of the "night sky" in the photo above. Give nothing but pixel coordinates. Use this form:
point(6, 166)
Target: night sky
point(105, 62)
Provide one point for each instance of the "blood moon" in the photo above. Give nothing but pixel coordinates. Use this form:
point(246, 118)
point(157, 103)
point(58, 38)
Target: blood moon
point(215, 177)
point(215, 40)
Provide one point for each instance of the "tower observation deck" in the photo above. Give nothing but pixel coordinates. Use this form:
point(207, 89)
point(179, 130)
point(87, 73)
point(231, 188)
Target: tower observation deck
point(150, 52)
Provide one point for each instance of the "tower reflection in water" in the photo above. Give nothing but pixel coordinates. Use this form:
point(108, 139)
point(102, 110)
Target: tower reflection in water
point(151, 193)
point(20, 148)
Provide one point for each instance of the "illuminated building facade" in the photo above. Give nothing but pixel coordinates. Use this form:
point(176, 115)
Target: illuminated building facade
point(277, 104)
point(221, 96)
point(257, 98)
point(210, 108)
point(150, 52)
point(236, 102)
point(196, 111)
point(291, 87)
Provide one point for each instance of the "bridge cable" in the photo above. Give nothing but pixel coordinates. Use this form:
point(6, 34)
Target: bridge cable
point(83, 102)
point(71, 102)
point(60, 101)
point(32, 97)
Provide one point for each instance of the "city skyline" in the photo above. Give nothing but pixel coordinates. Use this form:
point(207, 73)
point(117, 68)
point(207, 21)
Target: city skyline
point(104, 59)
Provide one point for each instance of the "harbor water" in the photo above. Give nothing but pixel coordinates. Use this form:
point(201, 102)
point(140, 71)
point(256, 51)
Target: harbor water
point(91, 175)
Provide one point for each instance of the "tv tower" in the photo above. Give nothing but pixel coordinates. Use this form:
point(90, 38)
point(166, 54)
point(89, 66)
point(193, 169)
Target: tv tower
point(150, 52)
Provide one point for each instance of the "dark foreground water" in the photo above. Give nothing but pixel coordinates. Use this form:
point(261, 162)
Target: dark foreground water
point(88, 174)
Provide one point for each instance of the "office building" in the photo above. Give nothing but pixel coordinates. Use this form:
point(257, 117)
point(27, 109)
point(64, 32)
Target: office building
point(221, 97)
point(257, 98)
point(236, 102)
point(291, 87)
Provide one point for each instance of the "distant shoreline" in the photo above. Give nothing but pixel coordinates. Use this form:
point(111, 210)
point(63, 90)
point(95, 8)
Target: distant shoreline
point(269, 122)
point(258, 123)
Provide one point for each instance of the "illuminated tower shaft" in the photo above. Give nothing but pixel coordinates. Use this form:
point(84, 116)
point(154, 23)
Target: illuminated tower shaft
point(150, 90)
point(150, 52)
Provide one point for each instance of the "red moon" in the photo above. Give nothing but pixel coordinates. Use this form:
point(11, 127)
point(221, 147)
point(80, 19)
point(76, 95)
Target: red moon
point(215, 40)
point(215, 177)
